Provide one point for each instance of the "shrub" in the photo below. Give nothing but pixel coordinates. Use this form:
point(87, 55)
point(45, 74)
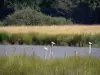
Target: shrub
point(1, 23)
point(29, 16)
point(4, 37)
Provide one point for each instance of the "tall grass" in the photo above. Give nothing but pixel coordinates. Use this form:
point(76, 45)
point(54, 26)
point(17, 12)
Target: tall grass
point(28, 65)
point(54, 30)
point(45, 39)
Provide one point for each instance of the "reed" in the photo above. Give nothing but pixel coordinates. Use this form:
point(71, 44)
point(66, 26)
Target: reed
point(79, 40)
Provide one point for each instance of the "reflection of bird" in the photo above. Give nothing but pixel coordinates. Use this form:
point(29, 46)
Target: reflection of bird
point(52, 42)
point(90, 43)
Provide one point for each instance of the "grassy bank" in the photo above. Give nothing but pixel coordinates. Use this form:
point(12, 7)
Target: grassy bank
point(45, 39)
point(25, 65)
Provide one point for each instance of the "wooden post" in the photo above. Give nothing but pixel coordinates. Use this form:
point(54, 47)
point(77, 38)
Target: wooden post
point(6, 52)
point(33, 53)
point(24, 52)
point(50, 53)
point(14, 50)
point(76, 53)
point(65, 54)
point(45, 52)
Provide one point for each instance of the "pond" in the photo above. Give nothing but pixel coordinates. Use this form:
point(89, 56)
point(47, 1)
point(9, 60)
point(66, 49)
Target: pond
point(58, 51)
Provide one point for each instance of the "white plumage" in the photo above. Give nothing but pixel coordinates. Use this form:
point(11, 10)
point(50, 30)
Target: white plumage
point(90, 43)
point(46, 48)
point(52, 42)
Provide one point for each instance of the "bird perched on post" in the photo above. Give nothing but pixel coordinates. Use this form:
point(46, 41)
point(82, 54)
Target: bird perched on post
point(90, 43)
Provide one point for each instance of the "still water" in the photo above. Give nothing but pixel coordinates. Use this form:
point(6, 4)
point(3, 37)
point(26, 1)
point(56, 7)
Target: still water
point(58, 51)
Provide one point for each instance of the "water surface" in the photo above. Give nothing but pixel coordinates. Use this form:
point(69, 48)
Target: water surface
point(58, 51)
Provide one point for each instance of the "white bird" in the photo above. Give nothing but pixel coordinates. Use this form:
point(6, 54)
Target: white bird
point(52, 42)
point(46, 48)
point(90, 43)
point(90, 51)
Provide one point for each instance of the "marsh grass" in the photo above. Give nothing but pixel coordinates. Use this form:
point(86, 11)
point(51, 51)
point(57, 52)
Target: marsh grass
point(73, 35)
point(80, 40)
point(29, 65)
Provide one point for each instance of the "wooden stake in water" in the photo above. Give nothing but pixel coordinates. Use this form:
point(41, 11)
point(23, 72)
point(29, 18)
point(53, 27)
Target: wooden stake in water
point(6, 52)
point(52, 54)
point(24, 52)
point(33, 53)
point(90, 51)
point(14, 50)
point(65, 54)
point(76, 53)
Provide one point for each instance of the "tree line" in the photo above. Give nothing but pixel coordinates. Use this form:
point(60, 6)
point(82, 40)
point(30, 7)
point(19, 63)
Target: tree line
point(78, 11)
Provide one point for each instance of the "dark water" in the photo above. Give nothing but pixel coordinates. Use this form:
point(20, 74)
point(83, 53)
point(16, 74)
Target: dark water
point(58, 51)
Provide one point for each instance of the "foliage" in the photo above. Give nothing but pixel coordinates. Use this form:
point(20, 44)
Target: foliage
point(1, 23)
point(80, 11)
point(29, 16)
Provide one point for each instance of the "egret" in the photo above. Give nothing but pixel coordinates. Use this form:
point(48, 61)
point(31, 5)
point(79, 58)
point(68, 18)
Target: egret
point(90, 48)
point(52, 43)
point(90, 43)
point(51, 52)
point(46, 49)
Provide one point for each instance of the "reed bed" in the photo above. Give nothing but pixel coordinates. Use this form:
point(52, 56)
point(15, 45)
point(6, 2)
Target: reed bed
point(79, 40)
point(29, 65)
point(71, 35)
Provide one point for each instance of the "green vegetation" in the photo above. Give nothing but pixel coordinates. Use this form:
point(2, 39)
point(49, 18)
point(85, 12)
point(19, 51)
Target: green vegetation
point(44, 39)
point(29, 65)
point(30, 16)
point(79, 11)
